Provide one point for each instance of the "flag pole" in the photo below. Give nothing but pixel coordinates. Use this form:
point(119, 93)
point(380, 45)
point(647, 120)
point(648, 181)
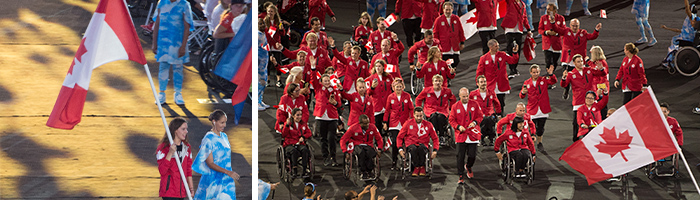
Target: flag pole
point(673, 138)
point(167, 130)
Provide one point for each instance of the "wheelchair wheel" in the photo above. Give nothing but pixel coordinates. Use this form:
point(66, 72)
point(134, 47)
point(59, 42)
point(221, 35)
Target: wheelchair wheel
point(377, 167)
point(280, 162)
point(429, 164)
point(207, 65)
point(416, 84)
point(687, 61)
point(406, 165)
point(347, 165)
point(294, 38)
point(531, 170)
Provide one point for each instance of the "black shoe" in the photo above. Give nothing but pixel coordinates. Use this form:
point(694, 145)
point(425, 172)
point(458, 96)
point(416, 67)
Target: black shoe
point(393, 166)
point(326, 162)
point(565, 96)
point(280, 84)
point(364, 175)
point(540, 146)
point(333, 163)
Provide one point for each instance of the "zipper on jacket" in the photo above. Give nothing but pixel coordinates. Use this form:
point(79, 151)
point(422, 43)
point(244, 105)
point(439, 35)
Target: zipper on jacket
point(167, 185)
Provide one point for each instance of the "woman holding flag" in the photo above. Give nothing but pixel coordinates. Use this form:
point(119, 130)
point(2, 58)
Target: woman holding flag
point(399, 108)
point(171, 183)
point(379, 89)
point(434, 65)
point(326, 112)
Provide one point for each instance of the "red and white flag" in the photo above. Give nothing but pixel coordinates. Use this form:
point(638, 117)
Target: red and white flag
point(529, 48)
point(387, 144)
point(110, 36)
point(335, 81)
point(391, 68)
point(470, 18)
point(636, 135)
point(284, 70)
point(450, 61)
point(368, 46)
point(391, 19)
point(272, 30)
point(603, 14)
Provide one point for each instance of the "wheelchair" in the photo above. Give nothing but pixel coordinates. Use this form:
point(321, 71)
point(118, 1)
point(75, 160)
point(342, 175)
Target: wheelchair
point(686, 59)
point(665, 167)
point(298, 17)
point(416, 83)
point(206, 66)
point(284, 165)
point(351, 168)
point(406, 166)
point(508, 170)
point(364, 55)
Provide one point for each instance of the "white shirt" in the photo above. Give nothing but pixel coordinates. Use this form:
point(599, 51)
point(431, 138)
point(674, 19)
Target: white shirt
point(237, 22)
point(483, 96)
point(437, 93)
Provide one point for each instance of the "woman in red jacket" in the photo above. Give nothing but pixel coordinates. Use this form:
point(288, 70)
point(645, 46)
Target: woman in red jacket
point(434, 65)
point(293, 99)
point(631, 74)
point(588, 116)
point(519, 145)
point(380, 88)
point(360, 102)
point(598, 58)
point(295, 134)
point(171, 184)
point(515, 24)
point(399, 108)
point(326, 112)
point(274, 38)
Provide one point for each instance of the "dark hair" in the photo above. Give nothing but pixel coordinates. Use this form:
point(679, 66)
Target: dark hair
point(516, 121)
point(363, 116)
point(665, 105)
point(309, 189)
point(417, 109)
point(174, 125)
point(314, 19)
point(291, 88)
point(295, 110)
point(427, 33)
point(349, 195)
point(216, 115)
point(591, 92)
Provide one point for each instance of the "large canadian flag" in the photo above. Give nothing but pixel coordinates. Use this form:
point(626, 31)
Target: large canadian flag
point(636, 135)
point(110, 36)
point(470, 18)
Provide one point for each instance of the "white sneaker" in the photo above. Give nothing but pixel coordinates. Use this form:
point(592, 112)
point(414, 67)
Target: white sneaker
point(641, 40)
point(261, 107)
point(264, 105)
point(161, 98)
point(178, 98)
point(587, 12)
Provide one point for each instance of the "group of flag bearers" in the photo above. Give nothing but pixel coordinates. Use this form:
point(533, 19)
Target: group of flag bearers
point(383, 116)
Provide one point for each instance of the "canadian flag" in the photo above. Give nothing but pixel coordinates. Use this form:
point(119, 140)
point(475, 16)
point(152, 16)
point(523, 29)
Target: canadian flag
point(450, 61)
point(272, 30)
point(634, 136)
point(529, 48)
point(603, 14)
point(391, 19)
point(110, 36)
point(391, 68)
point(335, 81)
point(284, 70)
point(387, 144)
point(368, 45)
point(470, 18)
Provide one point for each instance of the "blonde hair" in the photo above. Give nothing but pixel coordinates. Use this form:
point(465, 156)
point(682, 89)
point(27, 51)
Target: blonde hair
point(293, 73)
point(597, 53)
point(432, 51)
point(380, 61)
point(632, 48)
point(369, 20)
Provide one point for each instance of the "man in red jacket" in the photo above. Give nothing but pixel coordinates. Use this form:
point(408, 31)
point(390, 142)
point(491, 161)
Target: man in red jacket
point(486, 22)
point(415, 137)
point(465, 118)
point(493, 66)
point(437, 100)
point(410, 11)
point(421, 48)
point(316, 28)
point(551, 42)
point(319, 9)
point(312, 49)
point(448, 29)
point(295, 134)
point(520, 111)
point(672, 123)
point(378, 35)
point(391, 55)
point(515, 23)
point(537, 94)
point(490, 107)
point(574, 42)
point(581, 80)
point(362, 137)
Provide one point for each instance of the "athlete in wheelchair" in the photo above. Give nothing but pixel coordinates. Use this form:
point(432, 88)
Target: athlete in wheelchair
point(358, 145)
point(414, 138)
point(519, 152)
point(683, 55)
point(667, 166)
point(437, 100)
point(294, 148)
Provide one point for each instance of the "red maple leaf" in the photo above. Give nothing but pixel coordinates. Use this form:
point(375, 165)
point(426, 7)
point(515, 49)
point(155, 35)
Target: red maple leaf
point(474, 18)
point(78, 55)
point(614, 143)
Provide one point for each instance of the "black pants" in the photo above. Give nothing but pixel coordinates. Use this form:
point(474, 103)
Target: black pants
point(394, 149)
point(417, 154)
point(551, 58)
point(539, 125)
point(327, 130)
point(411, 27)
point(470, 150)
point(379, 122)
point(518, 38)
point(502, 100)
point(296, 151)
point(454, 57)
point(628, 96)
point(278, 58)
point(604, 112)
point(173, 198)
point(520, 157)
point(365, 155)
point(485, 37)
point(575, 128)
point(220, 45)
point(487, 128)
point(439, 122)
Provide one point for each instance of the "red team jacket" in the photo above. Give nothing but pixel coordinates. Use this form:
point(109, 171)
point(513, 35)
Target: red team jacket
point(410, 134)
point(322, 60)
point(676, 129)
point(450, 33)
point(434, 103)
point(495, 70)
point(322, 105)
point(598, 79)
point(322, 39)
point(574, 43)
point(461, 116)
point(590, 116)
point(431, 11)
point(285, 107)
point(292, 132)
point(359, 107)
point(408, 8)
point(357, 137)
point(487, 13)
point(381, 92)
point(516, 16)
point(421, 48)
point(508, 121)
point(340, 62)
point(362, 34)
point(551, 41)
point(354, 70)
point(376, 37)
point(429, 70)
point(580, 84)
point(513, 142)
point(391, 57)
point(631, 74)
point(538, 94)
point(489, 105)
point(398, 111)
point(319, 8)
point(170, 179)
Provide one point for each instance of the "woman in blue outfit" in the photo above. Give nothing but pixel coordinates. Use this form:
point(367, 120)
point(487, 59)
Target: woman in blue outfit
point(214, 162)
point(173, 25)
point(640, 9)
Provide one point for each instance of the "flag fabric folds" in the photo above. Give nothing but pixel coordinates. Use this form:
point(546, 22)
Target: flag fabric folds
point(529, 48)
point(236, 62)
point(636, 135)
point(109, 37)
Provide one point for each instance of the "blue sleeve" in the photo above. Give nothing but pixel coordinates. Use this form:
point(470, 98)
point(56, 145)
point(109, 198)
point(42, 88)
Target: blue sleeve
point(263, 190)
point(199, 164)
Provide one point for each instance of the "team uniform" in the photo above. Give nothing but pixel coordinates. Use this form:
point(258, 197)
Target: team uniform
point(538, 106)
point(581, 82)
point(493, 67)
point(461, 115)
point(632, 78)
